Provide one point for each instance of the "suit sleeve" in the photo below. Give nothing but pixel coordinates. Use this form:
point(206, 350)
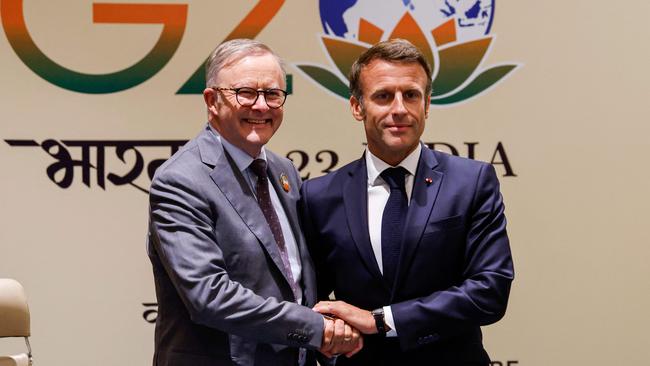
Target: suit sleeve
point(181, 231)
point(482, 295)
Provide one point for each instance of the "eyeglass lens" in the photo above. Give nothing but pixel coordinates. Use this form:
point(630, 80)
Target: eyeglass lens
point(248, 96)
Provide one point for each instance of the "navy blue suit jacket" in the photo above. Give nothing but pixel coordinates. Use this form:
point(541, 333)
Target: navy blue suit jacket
point(455, 265)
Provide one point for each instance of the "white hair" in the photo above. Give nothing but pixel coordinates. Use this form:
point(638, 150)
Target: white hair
point(232, 51)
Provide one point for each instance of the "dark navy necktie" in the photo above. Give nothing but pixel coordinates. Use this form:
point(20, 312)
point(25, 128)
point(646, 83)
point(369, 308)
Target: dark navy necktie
point(392, 221)
point(258, 166)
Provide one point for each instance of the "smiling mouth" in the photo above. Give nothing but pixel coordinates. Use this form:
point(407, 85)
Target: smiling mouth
point(257, 121)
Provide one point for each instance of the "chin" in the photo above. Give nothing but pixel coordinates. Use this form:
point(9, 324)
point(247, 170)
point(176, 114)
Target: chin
point(402, 148)
point(255, 139)
point(397, 143)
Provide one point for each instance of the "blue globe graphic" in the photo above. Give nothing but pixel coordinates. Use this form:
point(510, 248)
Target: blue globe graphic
point(331, 15)
point(474, 16)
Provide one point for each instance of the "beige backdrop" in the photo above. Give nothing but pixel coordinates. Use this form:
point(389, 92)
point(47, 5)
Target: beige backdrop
point(573, 120)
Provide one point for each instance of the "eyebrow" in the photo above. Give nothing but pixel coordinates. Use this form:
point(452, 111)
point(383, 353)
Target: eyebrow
point(384, 90)
point(393, 90)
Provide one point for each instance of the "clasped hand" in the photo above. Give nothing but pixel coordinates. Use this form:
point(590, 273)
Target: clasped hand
point(344, 324)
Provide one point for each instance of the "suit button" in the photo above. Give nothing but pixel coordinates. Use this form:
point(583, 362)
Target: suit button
point(427, 339)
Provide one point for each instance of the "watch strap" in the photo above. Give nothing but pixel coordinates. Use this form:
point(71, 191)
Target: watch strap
point(380, 322)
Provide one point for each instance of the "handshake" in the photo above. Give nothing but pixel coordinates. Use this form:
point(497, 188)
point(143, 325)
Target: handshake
point(344, 325)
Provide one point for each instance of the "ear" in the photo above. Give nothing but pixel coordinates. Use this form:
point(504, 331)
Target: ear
point(427, 105)
point(357, 109)
point(210, 98)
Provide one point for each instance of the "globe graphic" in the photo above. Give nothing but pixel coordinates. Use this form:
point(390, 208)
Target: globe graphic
point(341, 17)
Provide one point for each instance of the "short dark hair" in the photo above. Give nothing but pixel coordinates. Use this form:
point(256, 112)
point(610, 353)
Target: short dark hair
point(394, 50)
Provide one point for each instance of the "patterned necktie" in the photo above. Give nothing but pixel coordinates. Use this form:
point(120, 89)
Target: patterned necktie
point(258, 166)
point(392, 221)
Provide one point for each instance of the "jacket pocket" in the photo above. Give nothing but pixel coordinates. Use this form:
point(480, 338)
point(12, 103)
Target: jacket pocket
point(445, 224)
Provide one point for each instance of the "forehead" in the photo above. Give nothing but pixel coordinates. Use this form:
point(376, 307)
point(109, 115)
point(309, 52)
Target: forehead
point(382, 74)
point(256, 70)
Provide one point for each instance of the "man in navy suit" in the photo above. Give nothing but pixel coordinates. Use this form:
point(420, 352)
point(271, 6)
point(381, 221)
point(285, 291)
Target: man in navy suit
point(411, 241)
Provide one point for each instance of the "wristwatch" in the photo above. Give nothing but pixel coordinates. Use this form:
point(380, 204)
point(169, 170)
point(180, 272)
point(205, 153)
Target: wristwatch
point(380, 322)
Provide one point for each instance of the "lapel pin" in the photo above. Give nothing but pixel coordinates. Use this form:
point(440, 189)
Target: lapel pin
point(428, 180)
point(284, 181)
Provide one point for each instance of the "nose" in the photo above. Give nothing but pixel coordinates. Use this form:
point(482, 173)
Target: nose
point(260, 102)
point(398, 108)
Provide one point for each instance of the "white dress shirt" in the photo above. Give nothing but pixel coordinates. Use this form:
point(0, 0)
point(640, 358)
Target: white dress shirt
point(378, 193)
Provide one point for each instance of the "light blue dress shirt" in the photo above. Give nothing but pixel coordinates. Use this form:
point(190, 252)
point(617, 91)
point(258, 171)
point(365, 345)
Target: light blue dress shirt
point(243, 161)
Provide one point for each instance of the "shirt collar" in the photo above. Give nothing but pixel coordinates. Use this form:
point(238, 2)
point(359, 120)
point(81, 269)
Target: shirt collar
point(239, 156)
point(375, 166)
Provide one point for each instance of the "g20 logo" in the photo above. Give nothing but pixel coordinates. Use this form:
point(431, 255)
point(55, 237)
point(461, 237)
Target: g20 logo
point(454, 36)
point(173, 17)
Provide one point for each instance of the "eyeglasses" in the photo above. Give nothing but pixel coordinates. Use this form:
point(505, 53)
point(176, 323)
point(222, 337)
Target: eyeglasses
point(247, 97)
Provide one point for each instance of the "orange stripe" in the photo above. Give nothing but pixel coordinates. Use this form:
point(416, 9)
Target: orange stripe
point(169, 14)
point(256, 19)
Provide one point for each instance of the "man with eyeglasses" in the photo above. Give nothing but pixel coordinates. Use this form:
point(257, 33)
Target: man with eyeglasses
point(234, 280)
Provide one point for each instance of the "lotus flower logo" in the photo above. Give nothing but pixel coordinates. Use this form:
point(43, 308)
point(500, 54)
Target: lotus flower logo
point(457, 63)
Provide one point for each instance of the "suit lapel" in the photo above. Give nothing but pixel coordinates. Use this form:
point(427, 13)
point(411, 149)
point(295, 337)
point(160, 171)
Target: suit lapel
point(308, 284)
point(423, 199)
point(355, 198)
point(234, 187)
point(275, 171)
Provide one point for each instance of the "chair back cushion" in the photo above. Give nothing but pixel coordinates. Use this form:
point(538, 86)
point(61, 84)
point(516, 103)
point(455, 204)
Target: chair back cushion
point(14, 313)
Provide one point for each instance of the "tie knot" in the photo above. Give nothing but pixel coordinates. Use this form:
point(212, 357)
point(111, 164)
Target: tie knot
point(394, 177)
point(258, 166)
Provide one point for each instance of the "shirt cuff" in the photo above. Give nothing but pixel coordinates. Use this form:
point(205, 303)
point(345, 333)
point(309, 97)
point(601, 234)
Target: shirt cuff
point(388, 318)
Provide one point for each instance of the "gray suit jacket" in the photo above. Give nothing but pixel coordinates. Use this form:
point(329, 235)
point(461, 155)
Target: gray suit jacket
point(222, 298)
